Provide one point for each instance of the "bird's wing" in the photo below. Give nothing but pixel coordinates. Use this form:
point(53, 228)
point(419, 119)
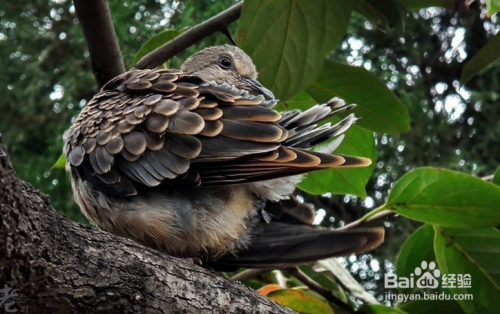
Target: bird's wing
point(148, 127)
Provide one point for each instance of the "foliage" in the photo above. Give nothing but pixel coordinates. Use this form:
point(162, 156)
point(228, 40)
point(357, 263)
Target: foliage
point(438, 197)
point(402, 74)
point(481, 60)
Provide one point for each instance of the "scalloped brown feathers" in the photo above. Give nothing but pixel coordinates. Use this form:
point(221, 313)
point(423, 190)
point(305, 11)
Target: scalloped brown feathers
point(147, 127)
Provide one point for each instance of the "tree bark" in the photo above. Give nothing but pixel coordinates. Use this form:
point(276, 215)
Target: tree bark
point(58, 266)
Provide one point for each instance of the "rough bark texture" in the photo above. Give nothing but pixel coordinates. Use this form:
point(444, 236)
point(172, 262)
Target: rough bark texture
point(59, 266)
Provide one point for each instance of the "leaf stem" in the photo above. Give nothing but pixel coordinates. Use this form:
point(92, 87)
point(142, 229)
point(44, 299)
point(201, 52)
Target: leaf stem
point(376, 214)
point(373, 213)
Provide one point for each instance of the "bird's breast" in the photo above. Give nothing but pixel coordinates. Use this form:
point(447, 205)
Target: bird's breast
point(197, 222)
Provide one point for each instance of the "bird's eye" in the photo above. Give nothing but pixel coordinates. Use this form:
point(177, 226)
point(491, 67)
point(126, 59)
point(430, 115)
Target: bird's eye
point(225, 63)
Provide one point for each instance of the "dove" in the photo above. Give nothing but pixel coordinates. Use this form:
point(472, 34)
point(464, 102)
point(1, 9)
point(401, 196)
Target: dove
point(196, 163)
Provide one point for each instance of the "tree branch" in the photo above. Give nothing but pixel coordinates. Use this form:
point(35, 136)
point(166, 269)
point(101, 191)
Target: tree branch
point(190, 37)
point(249, 274)
point(105, 56)
point(58, 266)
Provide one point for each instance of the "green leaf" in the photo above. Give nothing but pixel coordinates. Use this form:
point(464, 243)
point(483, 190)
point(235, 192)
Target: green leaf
point(379, 109)
point(380, 309)
point(477, 253)
point(482, 59)
point(326, 279)
point(288, 40)
point(446, 198)
point(343, 276)
point(388, 15)
point(493, 6)
point(357, 142)
point(302, 101)
point(300, 301)
point(431, 306)
point(419, 4)
point(60, 163)
point(496, 177)
point(417, 248)
point(156, 41)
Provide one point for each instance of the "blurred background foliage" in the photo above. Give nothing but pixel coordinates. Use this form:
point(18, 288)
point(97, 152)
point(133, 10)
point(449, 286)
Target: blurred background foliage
point(45, 79)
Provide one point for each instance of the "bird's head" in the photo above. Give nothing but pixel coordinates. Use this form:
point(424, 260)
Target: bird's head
point(226, 64)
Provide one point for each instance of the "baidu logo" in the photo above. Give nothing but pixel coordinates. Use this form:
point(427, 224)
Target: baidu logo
point(425, 276)
point(428, 278)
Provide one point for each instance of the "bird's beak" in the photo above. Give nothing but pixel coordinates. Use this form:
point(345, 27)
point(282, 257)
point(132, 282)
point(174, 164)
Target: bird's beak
point(257, 87)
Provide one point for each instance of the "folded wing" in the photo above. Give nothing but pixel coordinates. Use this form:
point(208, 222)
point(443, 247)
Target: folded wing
point(151, 127)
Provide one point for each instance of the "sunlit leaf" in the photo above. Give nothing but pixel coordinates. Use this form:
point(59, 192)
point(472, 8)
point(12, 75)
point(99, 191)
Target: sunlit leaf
point(446, 198)
point(493, 6)
point(60, 163)
point(288, 40)
point(155, 42)
point(379, 109)
point(264, 291)
point(482, 59)
point(300, 301)
point(475, 253)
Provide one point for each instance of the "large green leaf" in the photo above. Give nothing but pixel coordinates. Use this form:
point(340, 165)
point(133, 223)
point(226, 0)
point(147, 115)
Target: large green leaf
point(300, 301)
point(388, 15)
point(432, 306)
point(156, 41)
point(379, 109)
point(289, 39)
point(477, 253)
point(417, 248)
point(446, 198)
point(482, 59)
point(302, 101)
point(418, 4)
point(357, 142)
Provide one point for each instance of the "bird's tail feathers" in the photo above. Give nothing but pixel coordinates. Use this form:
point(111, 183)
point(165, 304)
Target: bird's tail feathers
point(282, 245)
point(303, 129)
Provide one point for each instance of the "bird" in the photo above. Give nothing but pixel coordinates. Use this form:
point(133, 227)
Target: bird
point(197, 163)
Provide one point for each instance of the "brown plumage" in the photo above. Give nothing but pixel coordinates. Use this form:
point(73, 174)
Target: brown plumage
point(192, 162)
